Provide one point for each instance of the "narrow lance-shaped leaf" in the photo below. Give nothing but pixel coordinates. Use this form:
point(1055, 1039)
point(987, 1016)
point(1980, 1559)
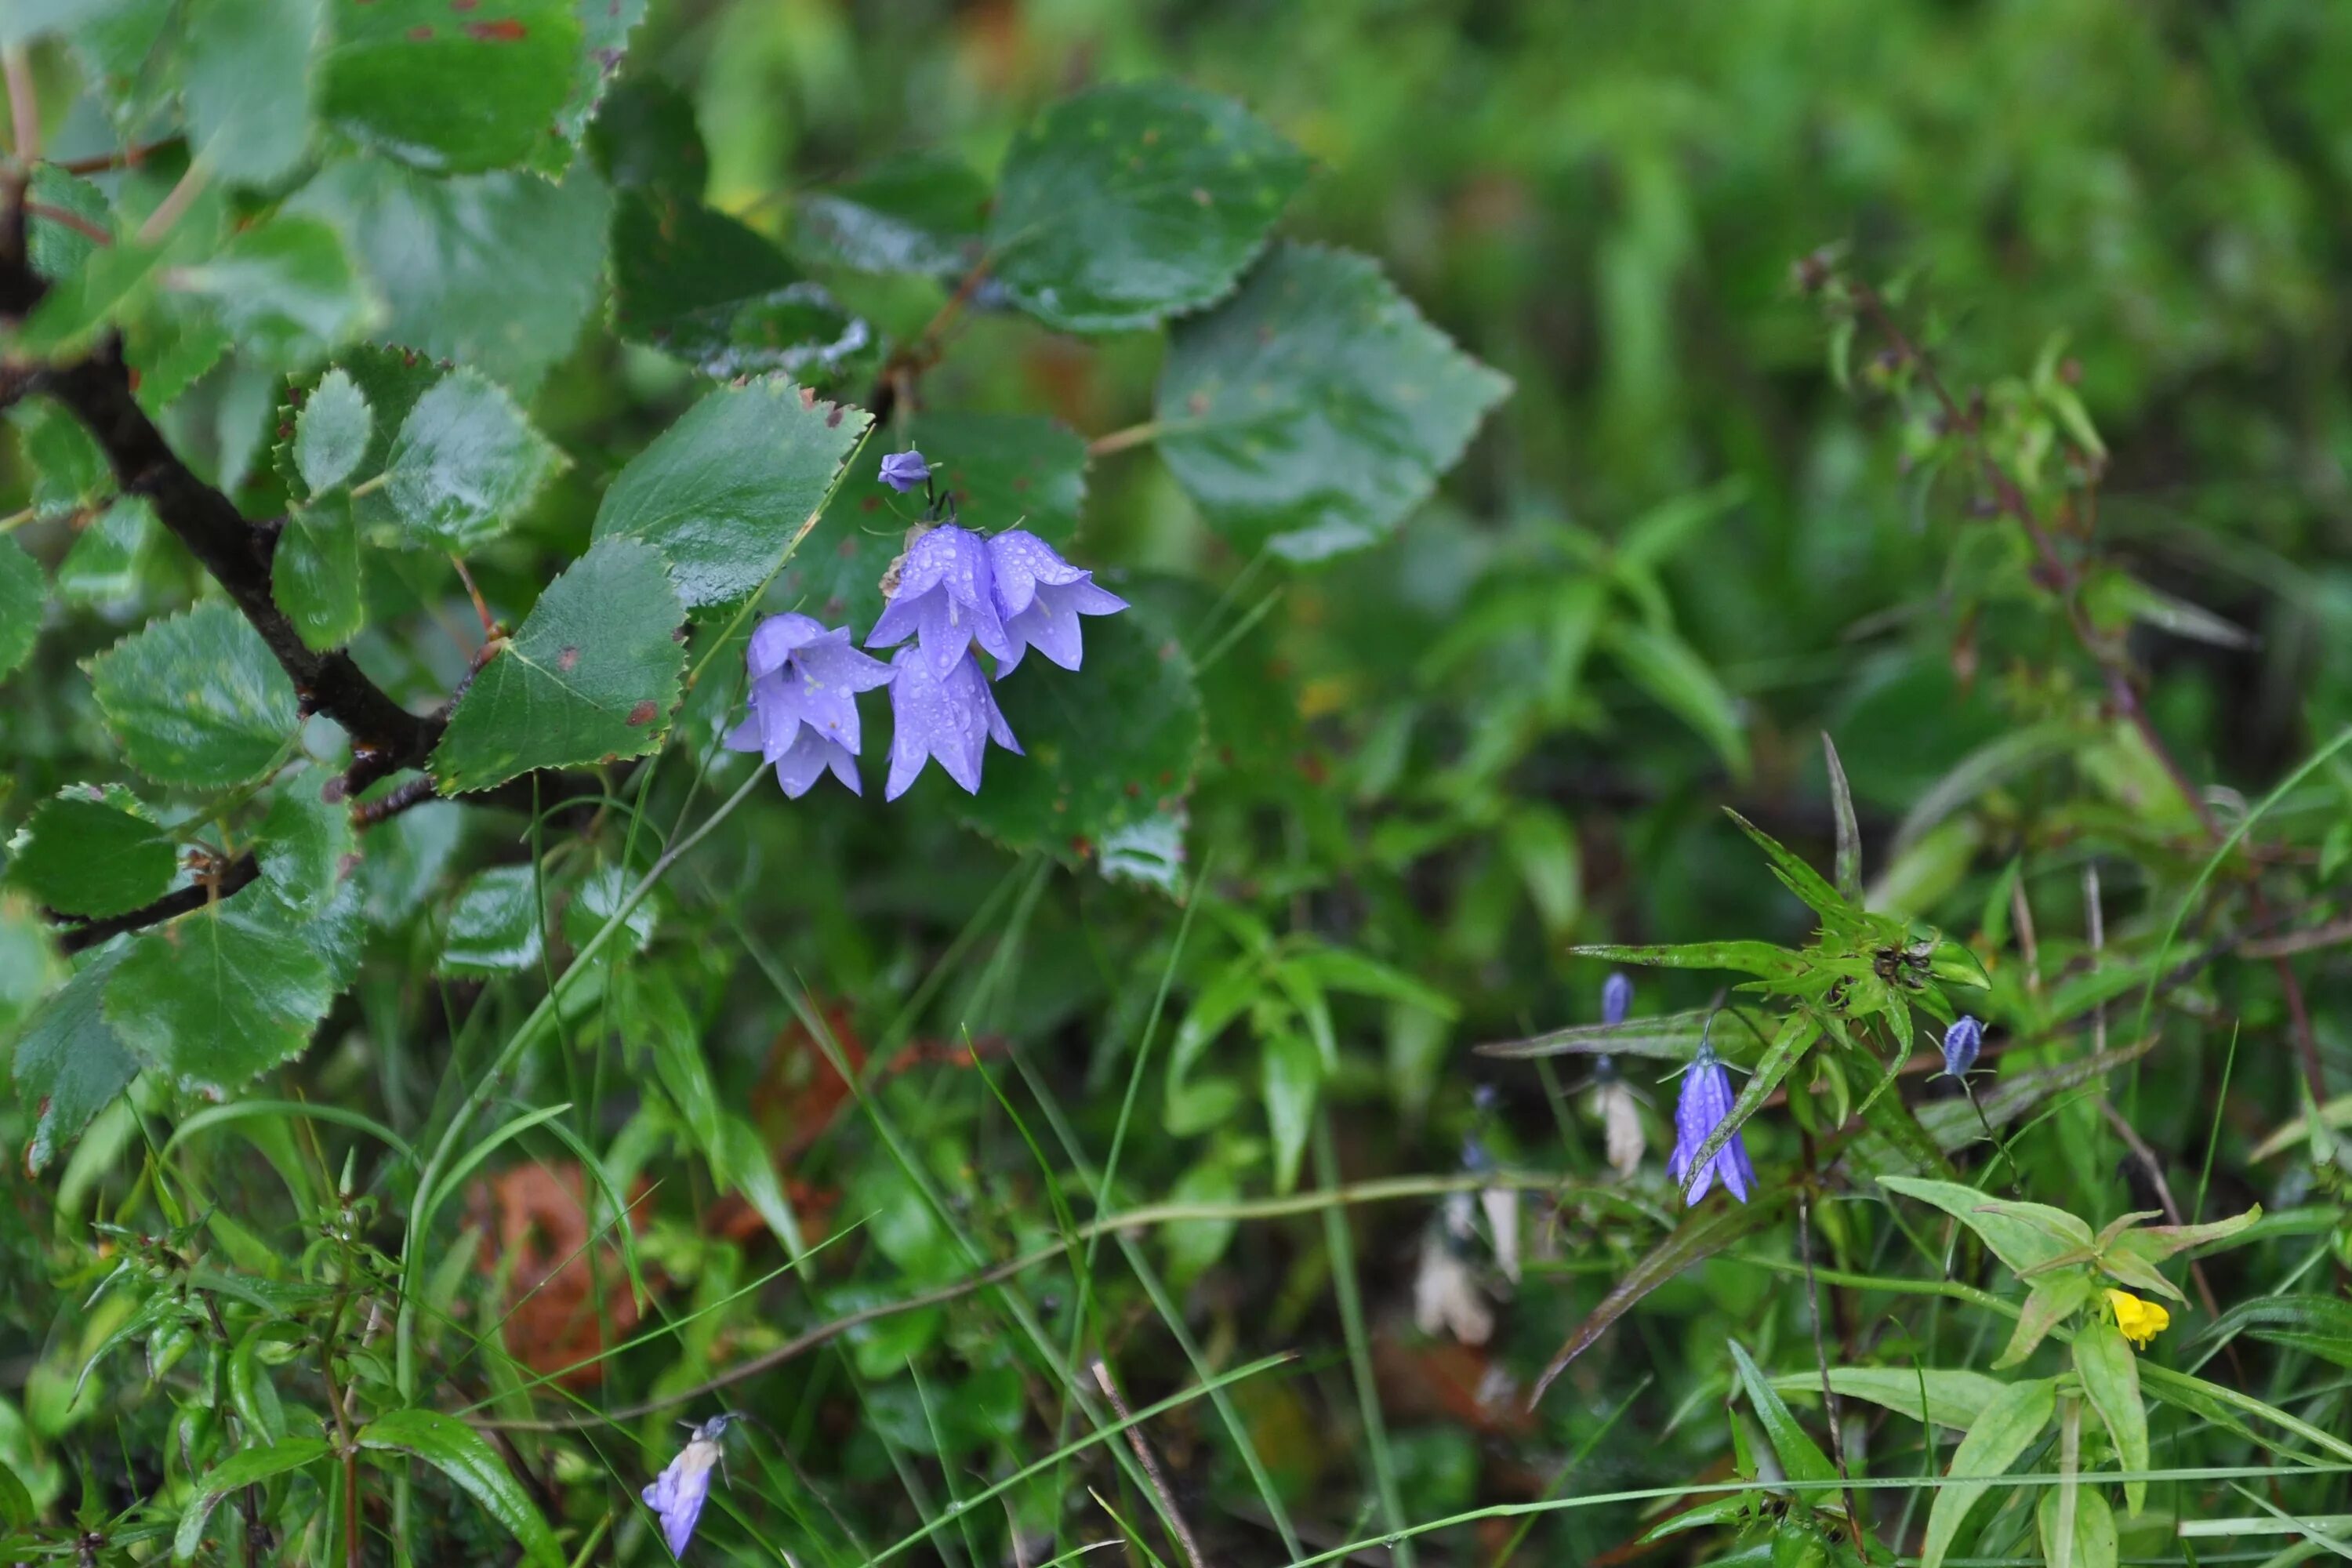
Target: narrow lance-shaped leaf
point(246, 1467)
point(2010, 1425)
point(1759, 958)
point(1797, 877)
point(2024, 1236)
point(1953, 1397)
point(2110, 1376)
point(458, 1452)
point(1671, 1037)
point(1801, 1458)
point(2050, 1302)
point(1849, 832)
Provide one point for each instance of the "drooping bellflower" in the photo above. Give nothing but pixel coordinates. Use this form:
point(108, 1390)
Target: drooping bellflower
point(1962, 1041)
point(1040, 597)
point(805, 685)
point(1616, 998)
point(945, 598)
point(904, 471)
point(1706, 1101)
point(951, 716)
point(677, 1494)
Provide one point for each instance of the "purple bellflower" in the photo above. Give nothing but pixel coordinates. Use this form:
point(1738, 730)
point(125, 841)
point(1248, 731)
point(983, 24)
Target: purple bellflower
point(1962, 1041)
point(946, 597)
point(904, 471)
point(1706, 1101)
point(951, 717)
point(1040, 596)
point(677, 1494)
point(1616, 998)
point(805, 685)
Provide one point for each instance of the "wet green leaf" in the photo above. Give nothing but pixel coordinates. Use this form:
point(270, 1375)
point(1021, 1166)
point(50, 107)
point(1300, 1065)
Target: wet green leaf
point(197, 699)
point(83, 853)
point(450, 91)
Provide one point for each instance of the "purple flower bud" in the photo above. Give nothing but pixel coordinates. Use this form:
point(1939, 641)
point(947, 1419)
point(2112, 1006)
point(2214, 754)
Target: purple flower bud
point(904, 471)
point(1962, 1041)
point(946, 597)
point(1040, 596)
point(803, 701)
point(1706, 1101)
point(1616, 998)
point(952, 717)
point(677, 1494)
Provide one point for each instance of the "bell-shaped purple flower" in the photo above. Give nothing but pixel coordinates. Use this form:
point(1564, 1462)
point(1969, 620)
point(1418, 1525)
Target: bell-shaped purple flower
point(904, 471)
point(803, 701)
point(1616, 998)
point(952, 717)
point(946, 597)
point(677, 1494)
point(1706, 1101)
point(1040, 596)
point(1962, 1041)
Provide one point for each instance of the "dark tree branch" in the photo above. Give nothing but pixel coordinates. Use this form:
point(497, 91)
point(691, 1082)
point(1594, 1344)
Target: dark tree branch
point(237, 875)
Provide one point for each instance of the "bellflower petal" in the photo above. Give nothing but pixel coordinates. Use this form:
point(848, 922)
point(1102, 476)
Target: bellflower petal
point(1962, 1041)
point(1040, 596)
point(677, 1494)
point(1616, 998)
point(904, 471)
point(952, 717)
point(805, 680)
point(946, 598)
point(1704, 1101)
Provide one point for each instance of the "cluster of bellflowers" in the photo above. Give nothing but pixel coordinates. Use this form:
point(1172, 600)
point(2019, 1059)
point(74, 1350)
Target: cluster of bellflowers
point(951, 596)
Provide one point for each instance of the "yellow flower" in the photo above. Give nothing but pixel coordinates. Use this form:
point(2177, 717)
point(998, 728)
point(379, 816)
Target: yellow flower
point(2140, 1320)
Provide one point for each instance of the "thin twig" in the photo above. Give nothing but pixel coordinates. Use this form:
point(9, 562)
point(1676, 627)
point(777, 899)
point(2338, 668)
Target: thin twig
point(1144, 1455)
point(175, 205)
point(237, 874)
point(481, 607)
point(127, 158)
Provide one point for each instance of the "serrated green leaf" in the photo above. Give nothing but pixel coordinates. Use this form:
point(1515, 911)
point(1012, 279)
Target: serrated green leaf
point(1106, 745)
point(286, 289)
point(1130, 203)
point(22, 596)
point(304, 842)
point(458, 1452)
point(698, 285)
point(104, 564)
point(111, 285)
point(332, 432)
point(2010, 1425)
point(726, 491)
point(592, 674)
point(494, 927)
point(465, 464)
point(245, 79)
point(919, 213)
point(196, 700)
point(2110, 1377)
point(314, 574)
point(69, 472)
point(449, 91)
point(497, 272)
point(69, 1063)
point(84, 855)
point(1801, 1458)
point(245, 1468)
point(389, 379)
point(1799, 878)
point(405, 859)
point(1682, 683)
point(1953, 1398)
point(56, 249)
point(222, 994)
point(605, 29)
point(1315, 406)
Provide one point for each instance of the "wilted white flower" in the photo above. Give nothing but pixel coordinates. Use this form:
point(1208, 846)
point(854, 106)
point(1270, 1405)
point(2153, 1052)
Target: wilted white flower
point(1445, 1298)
